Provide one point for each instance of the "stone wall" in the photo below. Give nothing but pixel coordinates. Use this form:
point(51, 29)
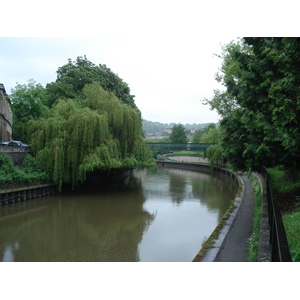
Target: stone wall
point(5, 116)
point(17, 154)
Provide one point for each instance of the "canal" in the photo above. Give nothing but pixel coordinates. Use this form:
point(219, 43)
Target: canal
point(156, 215)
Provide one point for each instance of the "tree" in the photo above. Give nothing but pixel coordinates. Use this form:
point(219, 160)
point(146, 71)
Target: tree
point(27, 102)
point(95, 132)
point(212, 136)
point(198, 135)
point(178, 134)
point(260, 106)
point(73, 76)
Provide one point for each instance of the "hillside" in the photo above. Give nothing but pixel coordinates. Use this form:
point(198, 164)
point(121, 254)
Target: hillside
point(150, 127)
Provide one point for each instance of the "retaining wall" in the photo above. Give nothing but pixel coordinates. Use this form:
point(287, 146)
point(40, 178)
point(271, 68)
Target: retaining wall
point(17, 154)
point(26, 193)
point(97, 180)
point(200, 168)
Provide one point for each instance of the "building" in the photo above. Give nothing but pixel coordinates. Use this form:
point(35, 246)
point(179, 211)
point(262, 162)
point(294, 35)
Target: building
point(5, 116)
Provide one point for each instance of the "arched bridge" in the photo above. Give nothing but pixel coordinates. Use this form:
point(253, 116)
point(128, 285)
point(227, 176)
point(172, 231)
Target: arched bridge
point(170, 147)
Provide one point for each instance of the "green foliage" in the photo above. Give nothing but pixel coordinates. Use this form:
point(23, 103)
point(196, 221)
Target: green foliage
point(214, 153)
point(206, 134)
point(6, 164)
point(27, 102)
point(281, 180)
point(93, 132)
point(160, 157)
point(282, 184)
point(259, 107)
point(196, 136)
point(73, 76)
point(292, 228)
point(164, 140)
point(212, 136)
point(178, 134)
point(253, 242)
point(187, 153)
point(29, 172)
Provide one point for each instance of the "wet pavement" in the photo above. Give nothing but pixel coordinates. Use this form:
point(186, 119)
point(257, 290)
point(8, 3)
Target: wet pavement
point(235, 244)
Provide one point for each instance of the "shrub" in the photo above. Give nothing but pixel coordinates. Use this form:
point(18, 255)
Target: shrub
point(30, 171)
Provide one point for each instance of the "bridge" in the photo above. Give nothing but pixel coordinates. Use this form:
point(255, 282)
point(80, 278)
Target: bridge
point(171, 147)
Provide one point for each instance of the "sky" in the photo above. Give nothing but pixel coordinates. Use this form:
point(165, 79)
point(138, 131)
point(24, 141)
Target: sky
point(168, 77)
point(164, 50)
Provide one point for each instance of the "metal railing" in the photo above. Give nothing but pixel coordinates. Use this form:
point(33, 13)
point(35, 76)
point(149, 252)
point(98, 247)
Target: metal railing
point(279, 248)
point(178, 147)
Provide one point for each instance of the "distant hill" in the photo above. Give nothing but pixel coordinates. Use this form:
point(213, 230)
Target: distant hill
point(150, 127)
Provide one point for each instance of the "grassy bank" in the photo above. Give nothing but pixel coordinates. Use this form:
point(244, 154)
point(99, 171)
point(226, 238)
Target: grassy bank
point(187, 153)
point(288, 196)
point(252, 254)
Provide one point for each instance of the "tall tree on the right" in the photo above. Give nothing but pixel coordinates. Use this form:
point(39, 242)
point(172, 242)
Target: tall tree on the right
point(261, 77)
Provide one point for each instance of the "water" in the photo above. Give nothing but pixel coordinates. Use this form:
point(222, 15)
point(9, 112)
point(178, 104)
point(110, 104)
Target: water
point(155, 215)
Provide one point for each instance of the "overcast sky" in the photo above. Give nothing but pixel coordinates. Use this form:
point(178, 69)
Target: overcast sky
point(168, 77)
point(164, 50)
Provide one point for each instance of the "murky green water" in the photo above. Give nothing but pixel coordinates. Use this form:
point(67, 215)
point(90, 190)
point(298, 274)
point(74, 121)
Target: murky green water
point(155, 215)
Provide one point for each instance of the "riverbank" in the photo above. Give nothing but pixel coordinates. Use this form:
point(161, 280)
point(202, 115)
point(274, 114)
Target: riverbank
point(288, 197)
point(11, 194)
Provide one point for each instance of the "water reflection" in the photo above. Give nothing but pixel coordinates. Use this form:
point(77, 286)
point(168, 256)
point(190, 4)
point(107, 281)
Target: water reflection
point(9, 252)
point(189, 206)
point(155, 215)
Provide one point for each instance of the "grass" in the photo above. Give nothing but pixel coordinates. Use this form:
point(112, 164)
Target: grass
point(289, 199)
point(253, 242)
point(281, 181)
point(292, 228)
point(187, 153)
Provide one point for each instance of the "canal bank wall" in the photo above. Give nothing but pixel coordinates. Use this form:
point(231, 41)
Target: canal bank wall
point(203, 169)
point(94, 180)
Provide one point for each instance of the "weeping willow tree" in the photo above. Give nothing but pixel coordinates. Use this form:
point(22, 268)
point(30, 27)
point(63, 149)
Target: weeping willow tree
point(80, 136)
point(214, 154)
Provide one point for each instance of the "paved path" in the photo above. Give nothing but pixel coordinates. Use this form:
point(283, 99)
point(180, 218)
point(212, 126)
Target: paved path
point(234, 246)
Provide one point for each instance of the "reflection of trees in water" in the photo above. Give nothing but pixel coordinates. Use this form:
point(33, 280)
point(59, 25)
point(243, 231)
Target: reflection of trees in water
point(97, 226)
point(177, 186)
point(215, 192)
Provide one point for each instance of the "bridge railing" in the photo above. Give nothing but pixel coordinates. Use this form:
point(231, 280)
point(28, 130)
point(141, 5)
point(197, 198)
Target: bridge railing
point(167, 147)
point(279, 248)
